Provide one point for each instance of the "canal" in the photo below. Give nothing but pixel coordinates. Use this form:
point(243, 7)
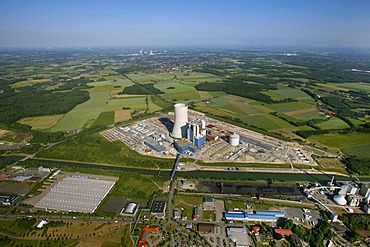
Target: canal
point(232, 175)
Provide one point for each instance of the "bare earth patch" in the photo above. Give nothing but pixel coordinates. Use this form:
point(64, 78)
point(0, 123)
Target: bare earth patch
point(43, 122)
point(122, 115)
point(4, 133)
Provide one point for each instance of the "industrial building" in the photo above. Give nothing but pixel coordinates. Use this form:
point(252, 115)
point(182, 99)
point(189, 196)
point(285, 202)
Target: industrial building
point(182, 145)
point(154, 145)
point(196, 132)
point(260, 216)
point(8, 199)
point(76, 194)
point(158, 209)
point(130, 209)
point(238, 235)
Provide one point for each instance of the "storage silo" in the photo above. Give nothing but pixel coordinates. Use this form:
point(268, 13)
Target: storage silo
point(234, 140)
point(181, 119)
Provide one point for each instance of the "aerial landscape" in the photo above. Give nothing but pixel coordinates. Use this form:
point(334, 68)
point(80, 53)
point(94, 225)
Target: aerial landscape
point(197, 123)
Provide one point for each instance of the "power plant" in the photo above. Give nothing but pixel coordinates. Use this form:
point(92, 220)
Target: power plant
point(181, 119)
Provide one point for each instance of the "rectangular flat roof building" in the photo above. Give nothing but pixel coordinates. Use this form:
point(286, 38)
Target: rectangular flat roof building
point(158, 208)
point(76, 194)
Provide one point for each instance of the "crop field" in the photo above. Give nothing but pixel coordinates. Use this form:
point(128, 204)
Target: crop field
point(83, 113)
point(268, 122)
point(350, 86)
point(122, 115)
point(305, 114)
point(342, 140)
point(290, 106)
point(360, 151)
point(210, 109)
point(333, 123)
point(105, 118)
point(184, 97)
point(43, 122)
point(331, 86)
point(99, 102)
point(204, 95)
point(29, 82)
point(170, 88)
point(287, 92)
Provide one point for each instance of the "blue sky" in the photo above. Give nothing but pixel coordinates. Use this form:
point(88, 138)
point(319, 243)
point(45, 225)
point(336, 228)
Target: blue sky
point(68, 23)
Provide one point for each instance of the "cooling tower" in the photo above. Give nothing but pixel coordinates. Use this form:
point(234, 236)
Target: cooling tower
point(181, 119)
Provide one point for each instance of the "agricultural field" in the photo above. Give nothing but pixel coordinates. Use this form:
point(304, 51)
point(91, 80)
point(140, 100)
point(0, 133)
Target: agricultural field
point(288, 92)
point(41, 123)
point(105, 118)
point(122, 115)
point(347, 86)
point(360, 151)
point(342, 140)
point(85, 114)
point(333, 123)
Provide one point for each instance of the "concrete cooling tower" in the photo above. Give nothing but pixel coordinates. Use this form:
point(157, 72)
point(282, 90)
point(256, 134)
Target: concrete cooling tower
point(181, 119)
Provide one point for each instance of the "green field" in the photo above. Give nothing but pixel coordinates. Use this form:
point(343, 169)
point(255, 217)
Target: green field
point(288, 92)
point(136, 186)
point(361, 151)
point(87, 113)
point(333, 123)
point(96, 149)
point(355, 86)
point(105, 118)
point(188, 203)
point(342, 140)
point(83, 113)
point(40, 123)
point(290, 106)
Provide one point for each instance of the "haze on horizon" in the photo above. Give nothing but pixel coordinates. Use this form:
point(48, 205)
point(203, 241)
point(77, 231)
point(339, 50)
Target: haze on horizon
point(72, 23)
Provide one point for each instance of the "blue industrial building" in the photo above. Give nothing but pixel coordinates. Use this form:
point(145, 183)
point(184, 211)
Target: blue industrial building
point(199, 141)
point(262, 216)
point(154, 145)
point(182, 145)
point(275, 213)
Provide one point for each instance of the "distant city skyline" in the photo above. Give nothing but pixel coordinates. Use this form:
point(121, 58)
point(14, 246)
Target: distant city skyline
point(69, 23)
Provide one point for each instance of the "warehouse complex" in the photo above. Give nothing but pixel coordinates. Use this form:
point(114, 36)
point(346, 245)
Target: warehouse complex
point(76, 194)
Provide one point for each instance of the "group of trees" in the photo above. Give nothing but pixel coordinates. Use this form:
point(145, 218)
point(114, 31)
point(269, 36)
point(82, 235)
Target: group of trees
point(360, 166)
point(39, 103)
point(315, 236)
point(244, 89)
point(356, 222)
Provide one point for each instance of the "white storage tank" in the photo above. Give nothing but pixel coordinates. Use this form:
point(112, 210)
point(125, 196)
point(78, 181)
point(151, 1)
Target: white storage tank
point(234, 140)
point(339, 199)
